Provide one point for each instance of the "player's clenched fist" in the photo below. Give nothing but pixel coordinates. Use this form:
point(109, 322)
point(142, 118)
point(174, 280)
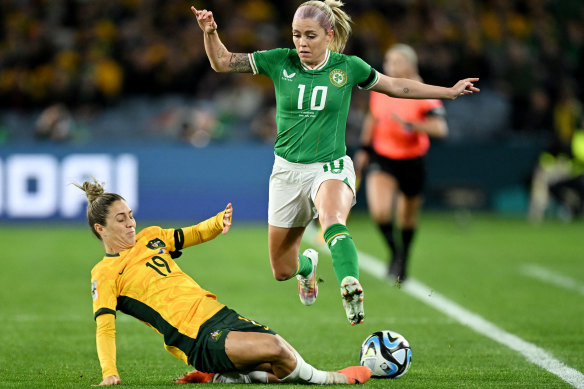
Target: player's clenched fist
point(205, 19)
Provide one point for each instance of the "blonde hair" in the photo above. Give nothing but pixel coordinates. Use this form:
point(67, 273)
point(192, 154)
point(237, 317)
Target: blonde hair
point(338, 21)
point(99, 203)
point(408, 52)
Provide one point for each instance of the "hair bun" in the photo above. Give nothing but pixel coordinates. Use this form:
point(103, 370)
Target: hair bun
point(93, 190)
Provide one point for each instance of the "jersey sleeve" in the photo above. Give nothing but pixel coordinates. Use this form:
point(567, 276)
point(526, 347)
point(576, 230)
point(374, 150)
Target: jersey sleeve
point(180, 238)
point(364, 76)
point(103, 292)
point(265, 62)
point(200, 233)
point(105, 339)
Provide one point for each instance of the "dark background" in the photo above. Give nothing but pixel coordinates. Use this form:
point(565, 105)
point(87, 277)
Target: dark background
point(134, 73)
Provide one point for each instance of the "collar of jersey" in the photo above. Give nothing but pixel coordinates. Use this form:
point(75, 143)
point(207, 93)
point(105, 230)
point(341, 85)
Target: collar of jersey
point(112, 255)
point(320, 65)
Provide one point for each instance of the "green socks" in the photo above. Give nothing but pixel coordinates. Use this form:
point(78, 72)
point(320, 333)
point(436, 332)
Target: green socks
point(343, 251)
point(304, 265)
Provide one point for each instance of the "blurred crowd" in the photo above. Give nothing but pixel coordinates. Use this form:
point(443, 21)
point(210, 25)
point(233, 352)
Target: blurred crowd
point(77, 58)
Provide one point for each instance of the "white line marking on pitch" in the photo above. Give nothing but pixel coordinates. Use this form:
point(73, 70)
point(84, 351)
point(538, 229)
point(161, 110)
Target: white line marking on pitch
point(550, 277)
point(531, 352)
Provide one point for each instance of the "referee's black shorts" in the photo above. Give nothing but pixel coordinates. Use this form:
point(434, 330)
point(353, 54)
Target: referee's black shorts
point(409, 173)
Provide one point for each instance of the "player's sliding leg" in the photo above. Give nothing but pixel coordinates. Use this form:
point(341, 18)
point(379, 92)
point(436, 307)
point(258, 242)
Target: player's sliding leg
point(306, 374)
point(346, 267)
point(307, 286)
point(250, 351)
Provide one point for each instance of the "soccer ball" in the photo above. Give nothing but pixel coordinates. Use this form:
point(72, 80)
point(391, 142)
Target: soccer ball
point(387, 354)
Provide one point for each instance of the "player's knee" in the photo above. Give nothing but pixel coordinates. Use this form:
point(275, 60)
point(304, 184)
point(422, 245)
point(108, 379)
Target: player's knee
point(328, 219)
point(409, 225)
point(380, 217)
point(284, 268)
point(278, 351)
point(409, 221)
point(282, 275)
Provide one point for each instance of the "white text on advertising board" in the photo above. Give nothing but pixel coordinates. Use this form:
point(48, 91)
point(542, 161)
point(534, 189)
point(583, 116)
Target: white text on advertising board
point(41, 185)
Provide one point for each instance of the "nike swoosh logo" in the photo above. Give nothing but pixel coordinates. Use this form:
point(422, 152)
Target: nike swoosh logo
point(120, 273)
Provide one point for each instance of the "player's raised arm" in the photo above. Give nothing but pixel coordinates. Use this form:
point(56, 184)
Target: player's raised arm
point(207, 229)
point(221, 59)
point(412, 89)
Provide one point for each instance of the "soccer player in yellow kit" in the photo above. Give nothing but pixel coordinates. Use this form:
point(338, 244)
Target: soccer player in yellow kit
point(139, 276)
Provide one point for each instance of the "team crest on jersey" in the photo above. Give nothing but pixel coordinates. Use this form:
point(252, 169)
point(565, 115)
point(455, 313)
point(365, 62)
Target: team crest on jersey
point(155, 243)
point(94, 290)
point(216, 335)
point(287, 77)
point(338, 77)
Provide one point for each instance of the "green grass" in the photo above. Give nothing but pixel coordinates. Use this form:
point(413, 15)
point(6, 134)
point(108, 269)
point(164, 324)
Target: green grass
point(48, 333)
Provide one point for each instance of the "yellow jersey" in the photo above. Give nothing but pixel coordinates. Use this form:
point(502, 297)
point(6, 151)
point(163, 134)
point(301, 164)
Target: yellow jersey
point(145, 282)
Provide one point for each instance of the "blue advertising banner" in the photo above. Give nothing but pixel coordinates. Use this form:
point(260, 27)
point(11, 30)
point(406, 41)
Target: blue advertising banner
point(160, 182)
point(179, 182)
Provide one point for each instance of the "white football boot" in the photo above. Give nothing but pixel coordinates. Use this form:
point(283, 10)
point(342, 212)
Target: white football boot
point(352, 294)
point(307, 286)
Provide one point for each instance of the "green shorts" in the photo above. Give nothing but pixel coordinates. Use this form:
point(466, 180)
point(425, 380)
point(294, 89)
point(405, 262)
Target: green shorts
point(208, 354)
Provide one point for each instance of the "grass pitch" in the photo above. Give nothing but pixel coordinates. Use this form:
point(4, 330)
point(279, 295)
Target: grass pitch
point(481, 263)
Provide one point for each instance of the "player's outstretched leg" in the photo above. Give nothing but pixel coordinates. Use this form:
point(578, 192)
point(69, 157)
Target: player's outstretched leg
point(352, 294)
point(305, 373)
point(307, 286)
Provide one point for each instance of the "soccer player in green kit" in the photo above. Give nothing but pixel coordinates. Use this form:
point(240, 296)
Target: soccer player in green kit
point(312, 175)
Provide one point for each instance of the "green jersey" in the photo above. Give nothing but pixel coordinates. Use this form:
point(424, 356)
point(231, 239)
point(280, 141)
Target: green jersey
point(312, 104)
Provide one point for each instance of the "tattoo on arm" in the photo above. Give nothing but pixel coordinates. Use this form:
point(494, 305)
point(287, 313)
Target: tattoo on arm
point(406, 90)
point(239, 63)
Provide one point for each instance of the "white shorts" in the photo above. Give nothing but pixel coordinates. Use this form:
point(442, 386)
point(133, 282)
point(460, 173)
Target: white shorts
point(293, 188)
